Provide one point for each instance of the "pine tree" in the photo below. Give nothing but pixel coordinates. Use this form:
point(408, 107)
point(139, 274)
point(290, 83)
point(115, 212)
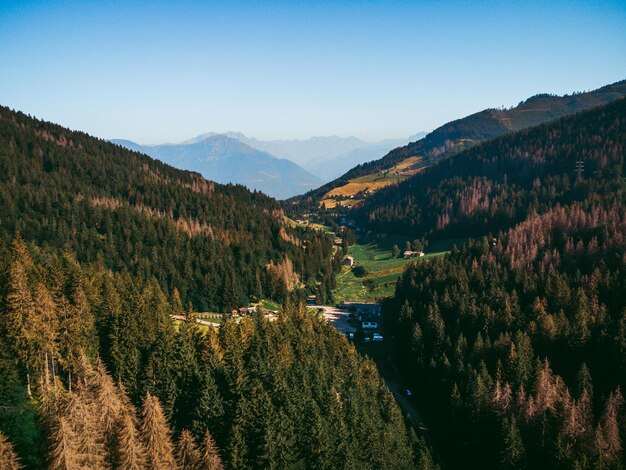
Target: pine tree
point(583, 381)
point(8, 457)
point(109, 405)
point(608, 441)
point(156, 435)
point(237, 448)
point(230, 291)
point(83, 415)
point(210, 458)
point(187, 454)
point(64, 454)
point(19, 314)
point(46, 323)
point(513, 451)
point(131, 453)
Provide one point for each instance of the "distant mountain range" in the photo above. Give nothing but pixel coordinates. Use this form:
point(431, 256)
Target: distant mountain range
point(279, 168)
point(325, 156)
point(225, 159)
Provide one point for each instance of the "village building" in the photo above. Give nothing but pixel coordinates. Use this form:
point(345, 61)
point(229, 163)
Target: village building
point(362, 309)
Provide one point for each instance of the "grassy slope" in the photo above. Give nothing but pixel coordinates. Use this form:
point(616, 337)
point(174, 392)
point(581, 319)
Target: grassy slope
point(383, 271)
point(368, 184)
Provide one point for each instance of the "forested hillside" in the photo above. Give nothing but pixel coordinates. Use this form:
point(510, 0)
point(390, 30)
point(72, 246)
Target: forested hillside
point(517, 342)
point(499, 183)
point(291, 393)
point(461, 134)
point(218, 245)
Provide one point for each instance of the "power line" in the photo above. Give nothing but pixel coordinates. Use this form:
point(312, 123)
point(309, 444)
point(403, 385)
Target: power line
point(580, 169)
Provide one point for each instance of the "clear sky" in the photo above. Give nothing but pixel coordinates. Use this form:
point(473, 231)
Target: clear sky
point(158, 72)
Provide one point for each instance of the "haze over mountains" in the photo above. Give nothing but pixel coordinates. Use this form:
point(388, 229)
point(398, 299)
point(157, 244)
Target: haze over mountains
point(227, 160)
point(279, 168)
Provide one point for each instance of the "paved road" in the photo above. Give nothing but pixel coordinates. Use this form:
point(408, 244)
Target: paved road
point(388, 373)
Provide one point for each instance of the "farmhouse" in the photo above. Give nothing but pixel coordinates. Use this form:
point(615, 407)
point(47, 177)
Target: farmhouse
point(413, 254)
point(348, 261)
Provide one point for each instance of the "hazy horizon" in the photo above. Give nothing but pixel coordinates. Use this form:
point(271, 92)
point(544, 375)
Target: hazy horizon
point(156, 72)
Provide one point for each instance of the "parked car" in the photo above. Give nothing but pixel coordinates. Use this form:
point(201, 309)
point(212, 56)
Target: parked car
point(408, 392)
point(377, 337)
point(367, 339)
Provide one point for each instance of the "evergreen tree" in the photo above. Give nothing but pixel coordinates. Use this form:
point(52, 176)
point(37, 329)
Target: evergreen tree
point(131, 453)
point(583, 382)
point(64, 453)
point(18, 321)
point(46, 324)
point(513, 451)
point(210, 457)
point(188, 455)
point(8, 458)
point(155, 433)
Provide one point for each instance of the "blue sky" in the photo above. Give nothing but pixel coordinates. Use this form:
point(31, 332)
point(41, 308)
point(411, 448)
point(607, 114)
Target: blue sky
point(165, 71)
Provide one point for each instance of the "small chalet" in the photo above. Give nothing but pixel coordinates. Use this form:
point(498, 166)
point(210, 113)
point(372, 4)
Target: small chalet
point(348, 261)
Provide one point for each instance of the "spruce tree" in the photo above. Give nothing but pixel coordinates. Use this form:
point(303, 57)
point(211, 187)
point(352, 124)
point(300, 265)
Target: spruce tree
point(210, 457)
point(513, 451)
point(19, 315)
point(187, 454)
point(107, 400)
point(131, 453)
point(64, 453)
point(156, 435)
point(46, 323)
point(8, 457)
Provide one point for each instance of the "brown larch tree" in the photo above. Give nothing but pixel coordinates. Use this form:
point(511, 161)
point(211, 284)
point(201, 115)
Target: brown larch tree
point(8, 457)
point(210, 459)
point(188, 454)
point(156, 435)
point(64, 453)
point(131, 453)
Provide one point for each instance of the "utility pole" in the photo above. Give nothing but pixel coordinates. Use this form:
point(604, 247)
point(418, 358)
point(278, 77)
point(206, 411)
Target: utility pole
point(580, 169)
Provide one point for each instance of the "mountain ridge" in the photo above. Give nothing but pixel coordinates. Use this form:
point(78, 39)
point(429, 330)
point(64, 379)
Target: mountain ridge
point(224, 159)
point(456, 136)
